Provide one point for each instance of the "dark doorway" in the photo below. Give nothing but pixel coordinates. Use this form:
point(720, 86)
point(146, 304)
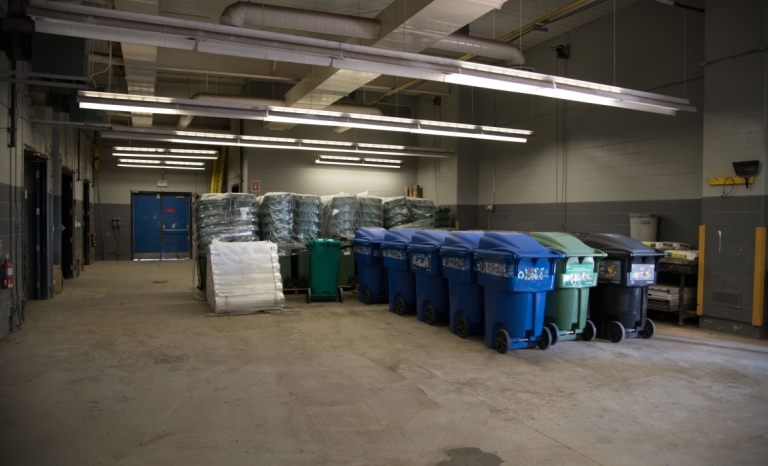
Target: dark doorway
point(87, 223)
point(67, 225)
point(235, 188)
point(35, 265)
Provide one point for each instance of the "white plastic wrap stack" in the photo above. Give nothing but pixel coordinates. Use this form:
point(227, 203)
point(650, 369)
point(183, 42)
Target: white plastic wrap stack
point(243, 278)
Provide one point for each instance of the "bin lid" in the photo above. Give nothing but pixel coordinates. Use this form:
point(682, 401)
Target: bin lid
point(615, 244)
point(461, 242)
point(427, 240)
point(513, 245)
point(398, 239)
point(565, 244)
point(323, 242)
point(365, 236)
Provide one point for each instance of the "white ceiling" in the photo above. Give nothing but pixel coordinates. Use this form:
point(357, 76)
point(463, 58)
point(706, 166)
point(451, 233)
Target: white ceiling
point(492, 25)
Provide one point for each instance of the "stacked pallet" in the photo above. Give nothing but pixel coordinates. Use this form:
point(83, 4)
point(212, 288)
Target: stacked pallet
point(667, 297)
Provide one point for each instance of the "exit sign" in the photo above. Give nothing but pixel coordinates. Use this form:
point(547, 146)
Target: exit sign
point(255, 186)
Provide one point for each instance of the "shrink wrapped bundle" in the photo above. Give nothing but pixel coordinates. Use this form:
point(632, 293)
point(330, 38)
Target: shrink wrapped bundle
point(277, 217)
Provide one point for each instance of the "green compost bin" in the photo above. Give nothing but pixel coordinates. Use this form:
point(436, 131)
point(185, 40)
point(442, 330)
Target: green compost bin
point(347, 275)
point(286, 269)
point(567, 305)
point(301, 268)
point(324, 270)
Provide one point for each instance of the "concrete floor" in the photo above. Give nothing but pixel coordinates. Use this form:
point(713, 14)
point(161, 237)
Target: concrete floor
point(330, 384)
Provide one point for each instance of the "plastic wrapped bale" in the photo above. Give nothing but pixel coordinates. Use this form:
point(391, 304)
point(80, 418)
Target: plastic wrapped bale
point(340, 215)
point(243, 278)
point(370, 211)
point(231, 217)
point(427, 224)
point(277, 217)
point(421, 209)
point(395, 211)
point(308, 216)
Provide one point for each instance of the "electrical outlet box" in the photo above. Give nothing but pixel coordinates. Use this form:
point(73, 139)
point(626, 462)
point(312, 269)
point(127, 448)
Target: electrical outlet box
point(489, 207)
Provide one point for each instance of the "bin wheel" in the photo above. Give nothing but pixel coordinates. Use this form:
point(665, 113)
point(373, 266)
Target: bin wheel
point(366, 297)
point(462, 327)
point(309, 296)
point(649, 330)
point(545, 340)
point(430, 316)
point(501, 341)
point(341, 295)
point(589, 332)
point(554, 332)
point(615, 331)
point(301, 282)
point(353, 280)
point(399, 306)
point(289, 283)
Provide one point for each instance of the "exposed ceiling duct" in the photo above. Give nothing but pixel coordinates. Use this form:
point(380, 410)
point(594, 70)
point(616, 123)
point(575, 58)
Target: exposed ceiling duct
point(271, 16)
point(185, 120)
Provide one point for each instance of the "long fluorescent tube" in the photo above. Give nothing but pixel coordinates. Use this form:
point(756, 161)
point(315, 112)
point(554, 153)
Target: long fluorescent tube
point(165, 105)
point(191, 164)
point(164, 167)
point(114, 25)
point(148, 162)
point(356, 164)
point(263, 142)
point(339, 157)
point(162, 149)
point(163, 156)
point(383, 161)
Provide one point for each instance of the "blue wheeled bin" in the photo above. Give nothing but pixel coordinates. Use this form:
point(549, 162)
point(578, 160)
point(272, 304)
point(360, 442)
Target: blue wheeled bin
point(619, 304)
point(401, 282)
point(465, 296)
point(431, 286)
point(516, 272)
point(372, 277)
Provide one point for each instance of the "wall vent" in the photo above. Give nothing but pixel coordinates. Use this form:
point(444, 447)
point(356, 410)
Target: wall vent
point(727, 298)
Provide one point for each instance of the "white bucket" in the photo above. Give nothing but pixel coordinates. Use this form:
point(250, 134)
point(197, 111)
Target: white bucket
point(643, 227)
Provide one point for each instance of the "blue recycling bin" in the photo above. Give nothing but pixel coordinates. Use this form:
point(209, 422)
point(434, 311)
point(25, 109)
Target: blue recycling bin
point(618, 306)
point(465, 296)
point(371, 275)
point(401, 282)
point(516, 272)
point(431, 286)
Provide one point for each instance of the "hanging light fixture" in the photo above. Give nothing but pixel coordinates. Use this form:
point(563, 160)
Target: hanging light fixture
point(358, 162)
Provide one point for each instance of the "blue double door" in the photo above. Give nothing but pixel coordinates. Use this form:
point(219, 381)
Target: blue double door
point(161, 226)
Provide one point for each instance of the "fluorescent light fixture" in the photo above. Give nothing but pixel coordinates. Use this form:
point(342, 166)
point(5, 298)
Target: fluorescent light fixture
point(383, 161)
point(164, 167)
point(162, 150)
point(119, 26)
point(350, 164)
point(263, 142)
point(191, 164)
point(155, 162)
point(165, 105)
point(163, 156)
point(338, 157)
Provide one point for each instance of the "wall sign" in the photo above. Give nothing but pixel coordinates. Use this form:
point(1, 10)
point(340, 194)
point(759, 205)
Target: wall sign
point(255, 186)
point(170, 210)
point(162, 183)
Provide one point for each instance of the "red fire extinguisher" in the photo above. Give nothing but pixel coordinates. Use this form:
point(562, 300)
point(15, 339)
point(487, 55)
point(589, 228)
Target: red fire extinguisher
point(93, 239)
point(7, 275)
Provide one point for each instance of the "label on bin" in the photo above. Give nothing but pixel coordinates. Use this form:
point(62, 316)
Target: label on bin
point(362, 249)
point(610, 270)
point(501, 269)
point(578, 275)
point(397, 254)
point(421, 261)
point(533, 274)
point(642, 274)
point(456, 263)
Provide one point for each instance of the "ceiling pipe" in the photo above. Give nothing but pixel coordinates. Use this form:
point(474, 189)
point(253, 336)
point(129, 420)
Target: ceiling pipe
point(270, 16)
point(185, 120)
point(104, 59)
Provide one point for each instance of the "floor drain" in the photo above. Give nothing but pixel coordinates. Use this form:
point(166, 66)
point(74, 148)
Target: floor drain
point(160, 281)
point(166, 359)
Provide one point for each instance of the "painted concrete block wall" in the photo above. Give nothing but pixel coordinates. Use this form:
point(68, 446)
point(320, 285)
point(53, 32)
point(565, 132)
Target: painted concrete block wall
point(296, 171)
point(735, 121)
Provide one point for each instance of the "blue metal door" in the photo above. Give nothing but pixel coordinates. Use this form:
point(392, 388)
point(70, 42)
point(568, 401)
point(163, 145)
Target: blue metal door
point(147, 233)
point(175, 214)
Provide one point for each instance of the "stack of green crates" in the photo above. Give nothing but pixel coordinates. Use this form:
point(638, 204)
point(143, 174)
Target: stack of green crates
point(396, 212)
point(277, 217)
point(308, 216)
point(420, 209)
point(371, 211)
point(341, 215)
point(442, 217)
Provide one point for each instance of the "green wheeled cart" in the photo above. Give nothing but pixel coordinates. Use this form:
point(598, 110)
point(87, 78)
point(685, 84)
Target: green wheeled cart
point(324, 270)
point(567, 305)
point(347, 276)
point(286, 270)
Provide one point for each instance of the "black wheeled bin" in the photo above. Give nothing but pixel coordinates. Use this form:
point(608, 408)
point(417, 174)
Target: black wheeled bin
point(619, 304)
point(372, 279)
point(400, 279)
point(465, 296)
point(431, 286)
